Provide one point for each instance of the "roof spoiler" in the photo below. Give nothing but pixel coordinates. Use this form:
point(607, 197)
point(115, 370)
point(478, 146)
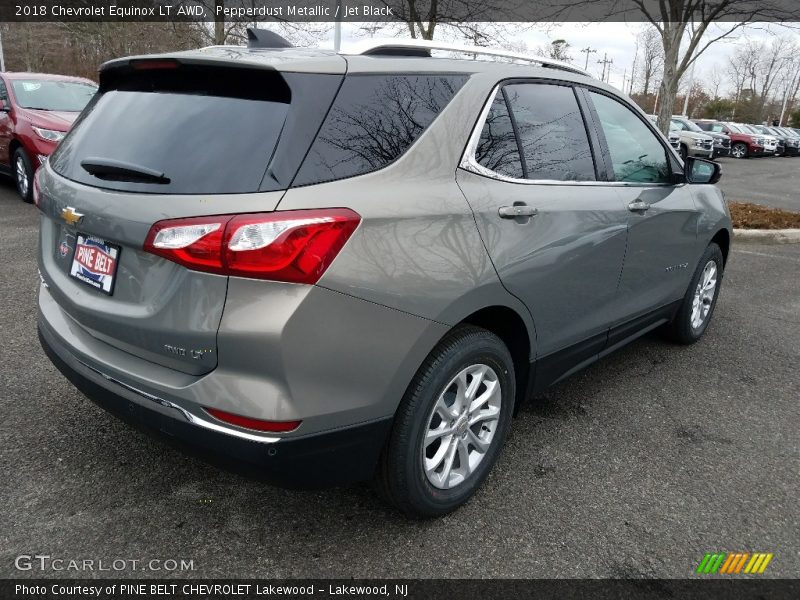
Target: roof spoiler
point(264, 38)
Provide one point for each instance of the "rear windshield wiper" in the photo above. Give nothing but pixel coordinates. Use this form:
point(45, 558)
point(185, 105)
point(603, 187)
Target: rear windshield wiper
point(117, 170)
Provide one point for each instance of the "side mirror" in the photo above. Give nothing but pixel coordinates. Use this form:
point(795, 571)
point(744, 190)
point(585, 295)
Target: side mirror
point(699, 170)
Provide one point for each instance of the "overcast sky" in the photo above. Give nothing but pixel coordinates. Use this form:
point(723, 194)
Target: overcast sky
point(618, 40)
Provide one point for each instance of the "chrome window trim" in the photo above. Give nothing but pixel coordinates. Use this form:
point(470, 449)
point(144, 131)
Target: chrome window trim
point(190, 417)
point(470, 163)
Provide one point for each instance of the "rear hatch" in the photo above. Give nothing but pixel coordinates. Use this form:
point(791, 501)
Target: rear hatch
point(167, 138)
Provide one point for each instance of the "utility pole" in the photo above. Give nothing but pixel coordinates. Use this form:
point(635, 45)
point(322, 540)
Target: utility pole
point(2, 56)
point(689, 91)
point(587, 51)
point(604, 62)
point(624, 77)
point(337, 27)
point(783, 107)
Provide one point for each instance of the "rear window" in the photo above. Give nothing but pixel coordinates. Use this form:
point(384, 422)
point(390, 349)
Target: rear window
point(373, 121)
point(196, 130)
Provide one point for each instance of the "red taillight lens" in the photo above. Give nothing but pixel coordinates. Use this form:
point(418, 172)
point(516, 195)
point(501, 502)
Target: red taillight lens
point(295, 246)
point(195, 243)
point(255, 424)
point(149, 64)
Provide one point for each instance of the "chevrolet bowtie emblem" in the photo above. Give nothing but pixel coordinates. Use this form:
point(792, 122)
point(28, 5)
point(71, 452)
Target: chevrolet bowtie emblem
point(70, 216)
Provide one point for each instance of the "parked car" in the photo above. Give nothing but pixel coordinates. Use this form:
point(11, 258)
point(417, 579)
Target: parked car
point(787, 143)
point(36, 110)
point(768, 135)
point(743, 143)
point(357, 267)
point(721, 143)
point(792, 140)
point(674, 141)
point(691, 143)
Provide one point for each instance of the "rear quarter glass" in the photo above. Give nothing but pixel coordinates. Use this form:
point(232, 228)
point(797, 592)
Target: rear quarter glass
point(209, 130)
point(373, 121)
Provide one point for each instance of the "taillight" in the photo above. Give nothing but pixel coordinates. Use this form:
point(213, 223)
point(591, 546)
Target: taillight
point(255, 424)
point(295, 246)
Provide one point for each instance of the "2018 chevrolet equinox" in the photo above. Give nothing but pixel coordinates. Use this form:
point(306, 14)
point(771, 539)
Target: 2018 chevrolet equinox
point(332, 267)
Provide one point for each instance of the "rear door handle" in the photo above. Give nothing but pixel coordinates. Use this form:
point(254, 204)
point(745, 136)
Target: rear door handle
point(638, 205)
point(512, 212)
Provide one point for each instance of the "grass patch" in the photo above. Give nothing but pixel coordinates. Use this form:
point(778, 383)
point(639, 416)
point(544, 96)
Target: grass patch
point(746, 215)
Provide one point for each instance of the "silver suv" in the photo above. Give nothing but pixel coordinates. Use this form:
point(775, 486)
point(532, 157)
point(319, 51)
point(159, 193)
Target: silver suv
point(328, 268)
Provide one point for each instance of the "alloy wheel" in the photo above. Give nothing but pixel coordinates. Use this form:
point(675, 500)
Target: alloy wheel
point(461, 426)
point(738, 151)
point(22, 177)
point(704, 294)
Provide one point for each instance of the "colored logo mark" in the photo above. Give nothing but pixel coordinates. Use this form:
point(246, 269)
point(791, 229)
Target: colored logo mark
point(734, 563)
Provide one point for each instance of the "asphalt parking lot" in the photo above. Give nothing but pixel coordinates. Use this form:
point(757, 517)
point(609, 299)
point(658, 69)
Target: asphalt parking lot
point(635, 467)
point(771, 181)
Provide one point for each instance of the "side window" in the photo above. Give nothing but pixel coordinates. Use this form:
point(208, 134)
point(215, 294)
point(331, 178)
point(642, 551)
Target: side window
point(374, 120)
point(3, 93)
point(497, 148)
point(636, 153)
point(551, 130)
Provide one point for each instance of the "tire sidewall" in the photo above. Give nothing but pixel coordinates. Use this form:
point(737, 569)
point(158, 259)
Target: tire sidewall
point(425, 497)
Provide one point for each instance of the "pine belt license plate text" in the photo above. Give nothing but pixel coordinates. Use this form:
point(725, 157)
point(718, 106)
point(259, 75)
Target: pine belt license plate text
point(95, 263)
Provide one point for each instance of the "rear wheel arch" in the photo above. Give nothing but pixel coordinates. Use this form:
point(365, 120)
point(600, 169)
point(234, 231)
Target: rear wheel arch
point(510, 327)
point(722, 239)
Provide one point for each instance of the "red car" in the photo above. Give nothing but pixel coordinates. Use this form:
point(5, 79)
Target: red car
point(743, 143)
point(36, 110)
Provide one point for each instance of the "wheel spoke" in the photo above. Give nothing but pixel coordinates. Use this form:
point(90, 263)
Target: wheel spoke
point(463, 458)
point(431, 464)
point(484, 415)
point(480, 445)
point(488, 394)
point(446, 412)
point(475, 384)
point(448, 463)
point(434, 434)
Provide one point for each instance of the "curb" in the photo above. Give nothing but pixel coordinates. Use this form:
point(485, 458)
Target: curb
point(766, 236)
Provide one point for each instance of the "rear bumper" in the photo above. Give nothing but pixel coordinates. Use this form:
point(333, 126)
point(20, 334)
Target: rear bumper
point(321, 460)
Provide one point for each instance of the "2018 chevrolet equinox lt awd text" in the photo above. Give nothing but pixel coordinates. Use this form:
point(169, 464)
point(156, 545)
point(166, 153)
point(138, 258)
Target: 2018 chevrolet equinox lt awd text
point(328, 268)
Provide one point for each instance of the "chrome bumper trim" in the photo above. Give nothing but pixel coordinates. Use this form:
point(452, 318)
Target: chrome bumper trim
point(190, 417)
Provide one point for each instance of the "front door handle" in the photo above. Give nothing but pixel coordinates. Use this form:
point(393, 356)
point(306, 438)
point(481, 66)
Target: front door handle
point(512, 212)
point(638, 205)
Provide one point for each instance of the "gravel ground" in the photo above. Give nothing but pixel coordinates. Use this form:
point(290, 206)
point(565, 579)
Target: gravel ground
point(633, 468)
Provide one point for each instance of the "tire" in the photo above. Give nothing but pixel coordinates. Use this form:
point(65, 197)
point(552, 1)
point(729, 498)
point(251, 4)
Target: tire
point(684, 327)
point(739, 150)
point(401, 477)
point(23, 175)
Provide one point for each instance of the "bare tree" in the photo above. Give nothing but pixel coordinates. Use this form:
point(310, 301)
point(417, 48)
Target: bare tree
point(686, 31)
point(649, 41)
point(557, 50)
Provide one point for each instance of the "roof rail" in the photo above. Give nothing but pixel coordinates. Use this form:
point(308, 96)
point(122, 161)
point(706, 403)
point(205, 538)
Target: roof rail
point(423, 47)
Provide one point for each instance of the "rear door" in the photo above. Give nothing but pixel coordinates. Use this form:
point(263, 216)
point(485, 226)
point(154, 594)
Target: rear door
point(662, 216)
point(555, 233)
point(169, 142)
